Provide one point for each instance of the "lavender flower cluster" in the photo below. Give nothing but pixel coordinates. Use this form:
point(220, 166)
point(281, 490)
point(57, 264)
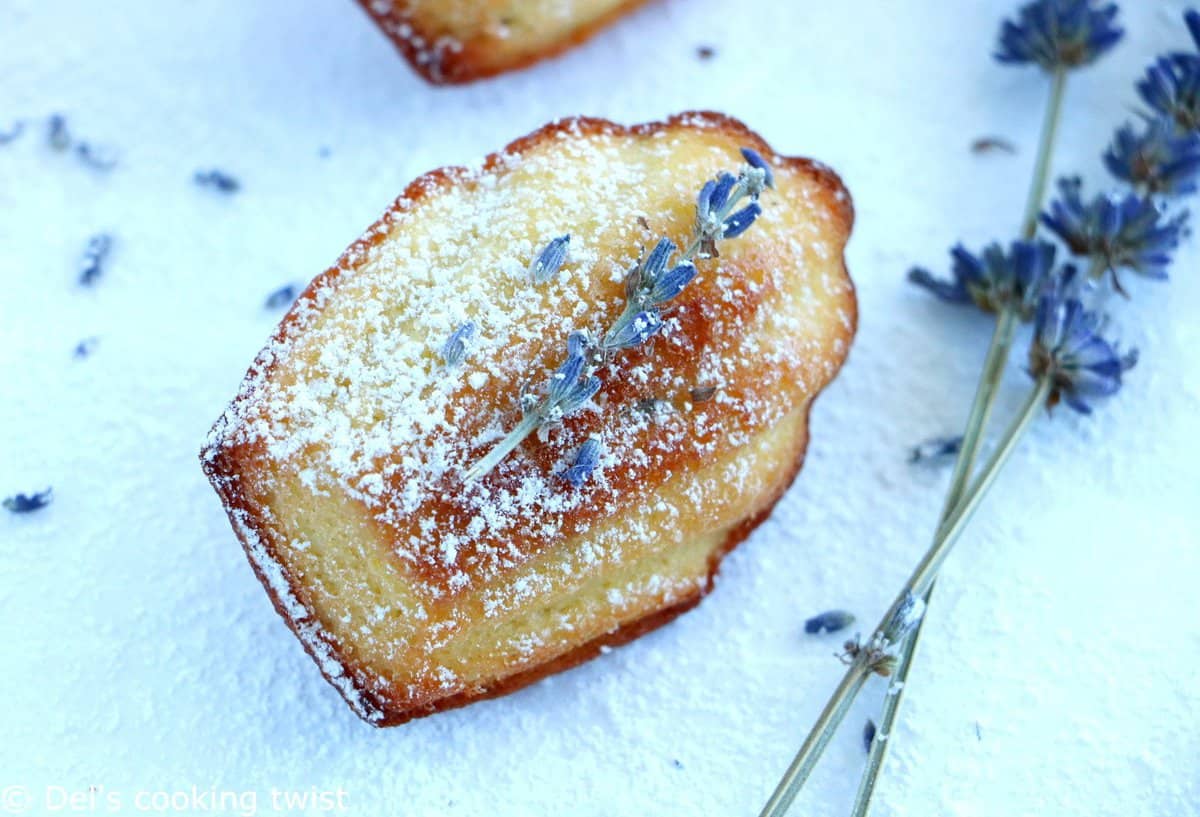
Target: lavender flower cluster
point(1136, 230)
point(725, 208)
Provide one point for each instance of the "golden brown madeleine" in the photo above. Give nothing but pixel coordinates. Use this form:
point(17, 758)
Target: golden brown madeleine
point(454, 41)
point(340, 461)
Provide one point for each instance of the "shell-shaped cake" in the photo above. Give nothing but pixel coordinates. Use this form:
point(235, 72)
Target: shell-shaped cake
point(456, 41)
point(348, 461)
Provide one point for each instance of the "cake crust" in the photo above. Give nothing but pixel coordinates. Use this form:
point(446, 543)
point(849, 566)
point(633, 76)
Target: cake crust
point(234, 464)
point(480, 46)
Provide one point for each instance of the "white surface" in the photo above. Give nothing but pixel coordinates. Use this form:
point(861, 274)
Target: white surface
point(140, 654)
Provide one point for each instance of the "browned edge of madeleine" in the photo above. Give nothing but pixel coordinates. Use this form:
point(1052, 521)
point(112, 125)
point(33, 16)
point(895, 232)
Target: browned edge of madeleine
point(446, 66)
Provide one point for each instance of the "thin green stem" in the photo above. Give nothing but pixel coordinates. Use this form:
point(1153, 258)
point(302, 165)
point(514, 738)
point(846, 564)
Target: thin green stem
point(917, 585)
point(981, 408)
point(502, 449)
point(814, 745)
point(950, 529)
point(1041, 171)
point(976, 423)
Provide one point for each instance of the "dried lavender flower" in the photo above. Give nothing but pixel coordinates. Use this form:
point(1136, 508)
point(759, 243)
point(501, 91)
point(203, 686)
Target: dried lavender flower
point(1157, 158)
point(59, 138)
point(28, 503)
point(993, 280)
point(282, 297)
point(57, 135)
point(550, 260)
point(218, 180)
point(868, 734)
point(935, 450)
point(1059, 34)
point(831, 621)
point(585, 462)
point(94, 157)
point(17, 128)
point(91, 267)
point(1116, 231)
point(1171, 88)
point(455, 349)
point(1068, 348)
point(85, 347)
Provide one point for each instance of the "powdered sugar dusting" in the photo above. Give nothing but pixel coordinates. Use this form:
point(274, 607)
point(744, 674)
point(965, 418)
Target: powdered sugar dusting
point(355, 398)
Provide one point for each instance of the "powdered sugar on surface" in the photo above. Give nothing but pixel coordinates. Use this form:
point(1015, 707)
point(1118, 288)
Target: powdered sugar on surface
point(1057, 671)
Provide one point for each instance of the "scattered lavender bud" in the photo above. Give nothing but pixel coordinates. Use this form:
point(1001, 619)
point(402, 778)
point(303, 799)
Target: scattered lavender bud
point(18, 127)
point(868, 735)
point(702, 394)
point(27, 503)
point(586, 460)
point(705, 52)
point(85, 347)
point(992, 144)
point(454, 350)
point(935, 451)
point(57, 135)
point(677, 764)
point(92, 265)
point(97, 158)
point(282, 297)
point(549, 260)
point(831, 621)
point(218, 180)
point(978, 731)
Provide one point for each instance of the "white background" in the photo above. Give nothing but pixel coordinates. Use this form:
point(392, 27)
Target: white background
point(137, 650)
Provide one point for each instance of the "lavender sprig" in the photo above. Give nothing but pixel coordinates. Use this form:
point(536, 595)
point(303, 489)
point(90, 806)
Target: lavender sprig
point(1069, 360)
point(649, 285)
point(568, 389)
